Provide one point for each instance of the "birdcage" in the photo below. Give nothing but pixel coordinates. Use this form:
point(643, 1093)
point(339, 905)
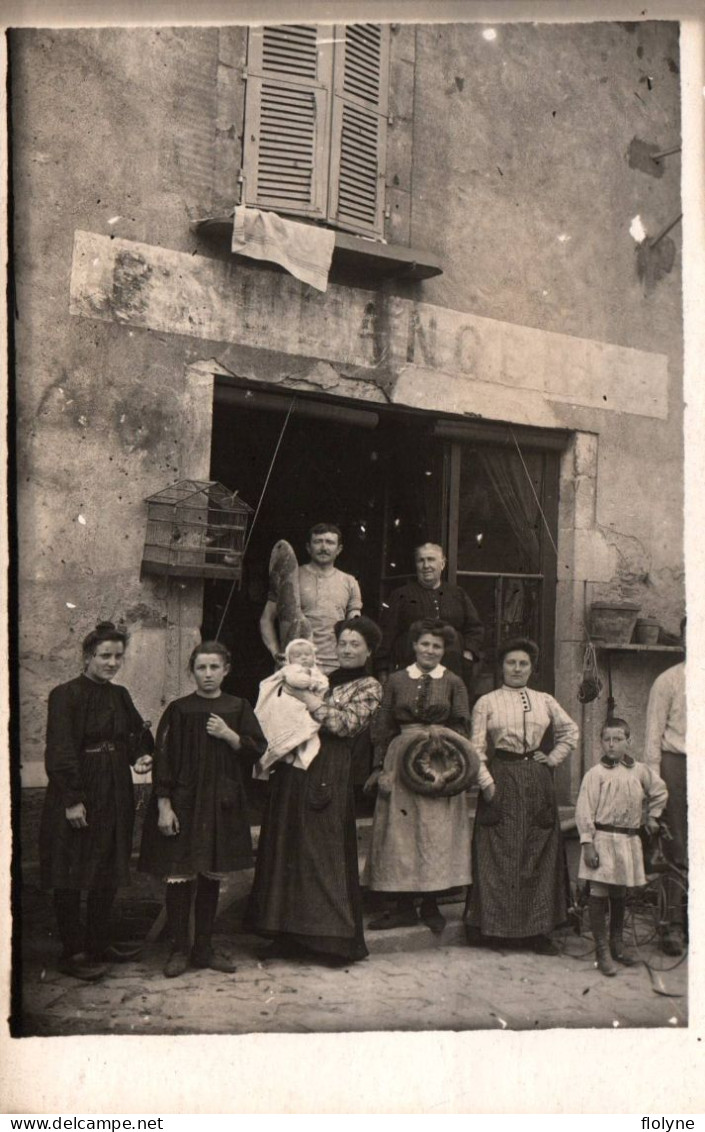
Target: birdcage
point(195, 529)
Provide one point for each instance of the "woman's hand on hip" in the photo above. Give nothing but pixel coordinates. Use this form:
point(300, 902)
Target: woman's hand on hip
point(168, 823)
point(76, 816)
point(143, 765)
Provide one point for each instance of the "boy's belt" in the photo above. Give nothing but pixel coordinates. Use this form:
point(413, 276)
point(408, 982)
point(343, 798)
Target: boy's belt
point(616, 829)
point(100, 749)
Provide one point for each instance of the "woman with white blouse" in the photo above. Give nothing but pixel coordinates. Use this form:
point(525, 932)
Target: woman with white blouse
point(420, 843)
point(518, 867)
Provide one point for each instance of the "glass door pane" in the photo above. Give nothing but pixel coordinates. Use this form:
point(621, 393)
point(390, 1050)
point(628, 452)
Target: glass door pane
point(499, 525)
point(503, 553)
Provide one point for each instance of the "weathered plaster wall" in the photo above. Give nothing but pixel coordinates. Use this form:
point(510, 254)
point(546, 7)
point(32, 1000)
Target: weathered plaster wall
point(105, 416)
point(535, 157)
point(548, 312)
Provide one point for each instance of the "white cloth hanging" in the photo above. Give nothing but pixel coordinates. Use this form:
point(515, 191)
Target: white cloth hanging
point(305, 250)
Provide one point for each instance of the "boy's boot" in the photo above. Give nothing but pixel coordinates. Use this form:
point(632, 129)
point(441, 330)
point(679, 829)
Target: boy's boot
point(178, 911)
point(206, 907)
point(617, 949)
point(598, 924)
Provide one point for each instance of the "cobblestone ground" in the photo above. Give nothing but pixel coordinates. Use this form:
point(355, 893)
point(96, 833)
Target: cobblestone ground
point(411, 981)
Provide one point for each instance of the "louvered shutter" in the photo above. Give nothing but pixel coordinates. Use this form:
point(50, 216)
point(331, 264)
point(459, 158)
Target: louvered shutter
point(287, 119)
point(359, 128)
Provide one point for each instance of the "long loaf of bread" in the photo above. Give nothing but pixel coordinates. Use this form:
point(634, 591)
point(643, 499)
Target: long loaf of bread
point(284, 584)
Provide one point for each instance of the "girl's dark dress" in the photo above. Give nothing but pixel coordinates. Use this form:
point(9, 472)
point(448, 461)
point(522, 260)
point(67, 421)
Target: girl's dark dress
point(84, 714)
point(203, 777)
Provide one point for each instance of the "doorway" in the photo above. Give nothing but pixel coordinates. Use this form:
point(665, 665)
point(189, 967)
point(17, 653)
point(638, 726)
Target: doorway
point(390, 479)
point(379, 479)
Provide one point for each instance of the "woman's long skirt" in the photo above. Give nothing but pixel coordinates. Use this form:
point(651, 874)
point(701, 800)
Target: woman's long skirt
point(306, 887)
point(419, 843)
point(518, 862)
point(97, 856)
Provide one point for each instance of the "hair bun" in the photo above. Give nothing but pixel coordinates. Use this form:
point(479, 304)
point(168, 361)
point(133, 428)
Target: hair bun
point(103, 625)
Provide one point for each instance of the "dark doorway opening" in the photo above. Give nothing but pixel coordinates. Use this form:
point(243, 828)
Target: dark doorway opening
point(389, 479)
point(378, 477)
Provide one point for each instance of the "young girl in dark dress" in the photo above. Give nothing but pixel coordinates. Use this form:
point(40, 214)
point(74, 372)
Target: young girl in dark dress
point(196, 828)
point(94, 735)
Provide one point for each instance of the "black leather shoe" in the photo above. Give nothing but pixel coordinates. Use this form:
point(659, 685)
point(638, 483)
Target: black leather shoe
point(120, 953)
point(432, 917)
point(208, 960)
point(176, 964)
point(672, 941)
point(543, 945)
point(82, 966)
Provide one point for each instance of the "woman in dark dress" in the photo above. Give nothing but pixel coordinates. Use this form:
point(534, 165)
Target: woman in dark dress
point(196, 829)
point(94, 735)
point(306, 892)
point(518, 863)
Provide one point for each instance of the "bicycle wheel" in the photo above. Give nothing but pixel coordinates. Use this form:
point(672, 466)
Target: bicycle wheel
point(652, 912)
point(642, 913)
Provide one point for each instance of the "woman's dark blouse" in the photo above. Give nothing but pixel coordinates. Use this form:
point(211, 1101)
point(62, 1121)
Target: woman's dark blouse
point(409, 699)
point(82, 714)
point(203, 777)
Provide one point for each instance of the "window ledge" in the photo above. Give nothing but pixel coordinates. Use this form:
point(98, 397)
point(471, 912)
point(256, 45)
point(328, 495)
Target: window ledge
point(392, 261)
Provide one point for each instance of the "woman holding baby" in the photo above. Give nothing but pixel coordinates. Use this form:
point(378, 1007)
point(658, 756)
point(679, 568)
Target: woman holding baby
point(306, 893)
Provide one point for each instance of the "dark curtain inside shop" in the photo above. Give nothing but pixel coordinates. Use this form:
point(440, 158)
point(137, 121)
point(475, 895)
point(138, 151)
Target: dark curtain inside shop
point(514, 494)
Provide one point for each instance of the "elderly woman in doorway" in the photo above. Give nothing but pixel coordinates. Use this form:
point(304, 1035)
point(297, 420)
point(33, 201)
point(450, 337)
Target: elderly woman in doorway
point(518, 863)
point(306, 892)
point(423, 767)
point(429, 597)
point(94, 735)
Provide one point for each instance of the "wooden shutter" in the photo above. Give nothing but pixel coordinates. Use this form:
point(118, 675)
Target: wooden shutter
point(287, 118)
point(359, 128)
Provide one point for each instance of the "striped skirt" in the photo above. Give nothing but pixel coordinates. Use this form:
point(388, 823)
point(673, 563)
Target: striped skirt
point(518, 862)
